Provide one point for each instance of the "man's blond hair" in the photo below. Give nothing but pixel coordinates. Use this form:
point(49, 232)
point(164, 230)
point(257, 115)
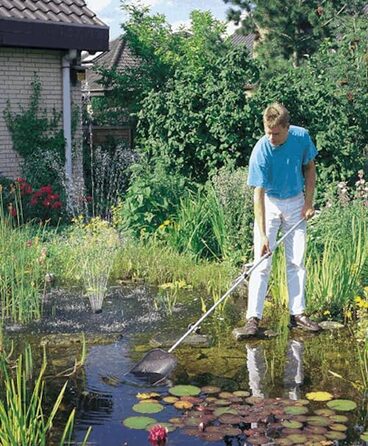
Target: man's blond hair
point(276, 115)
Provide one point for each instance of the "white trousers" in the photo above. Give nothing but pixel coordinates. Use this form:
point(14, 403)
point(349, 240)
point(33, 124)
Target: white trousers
point(280, 213)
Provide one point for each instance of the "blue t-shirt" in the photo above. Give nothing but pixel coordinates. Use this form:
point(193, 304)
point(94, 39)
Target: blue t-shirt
point(278, 169)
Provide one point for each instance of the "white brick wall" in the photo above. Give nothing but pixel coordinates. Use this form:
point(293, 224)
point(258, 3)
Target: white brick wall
point(17, 69)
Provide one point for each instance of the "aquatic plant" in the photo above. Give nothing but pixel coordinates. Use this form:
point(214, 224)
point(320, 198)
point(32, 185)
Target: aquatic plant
point(22, 418)
point(168, 295)
point(334, 276)
point(23, 265)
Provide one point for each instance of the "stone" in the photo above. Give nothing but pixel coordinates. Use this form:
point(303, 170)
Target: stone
point(330, 325)
point(194, 340)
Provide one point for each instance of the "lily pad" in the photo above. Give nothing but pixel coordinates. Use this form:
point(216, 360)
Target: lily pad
point(169, 426)
point(291, 424)
point(339, 418)
point(302, 402)
point(320, 430)
point(297, 438)
point(210, 389)
point(342, 405)
point(138, 422)
point(318, 420)
point(222, 402)
point(191, 399)
point(335, 435)
point(296, 410)
point(170, 399)
point(221, 410)
point(228, 418)
point(225, 395)
point(319, 396)
point(184, 390)
point(338, 427)
point(183, 405)
point(325, 412)
point(148, 395)
point(241, 393)
point(144, 407)
point(283, 441)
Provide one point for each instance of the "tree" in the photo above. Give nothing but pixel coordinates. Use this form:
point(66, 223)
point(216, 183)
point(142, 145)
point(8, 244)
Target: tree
point(290, 31)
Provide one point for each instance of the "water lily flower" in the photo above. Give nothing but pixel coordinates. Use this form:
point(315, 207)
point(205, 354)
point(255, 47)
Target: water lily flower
point(157, 435)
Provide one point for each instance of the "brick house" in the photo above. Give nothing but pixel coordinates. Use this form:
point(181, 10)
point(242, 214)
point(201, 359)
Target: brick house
point(45, 37)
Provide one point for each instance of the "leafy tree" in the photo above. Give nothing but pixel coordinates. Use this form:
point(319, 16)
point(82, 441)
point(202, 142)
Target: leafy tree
point(290, 31)
point(328, 96)
point(201, 120)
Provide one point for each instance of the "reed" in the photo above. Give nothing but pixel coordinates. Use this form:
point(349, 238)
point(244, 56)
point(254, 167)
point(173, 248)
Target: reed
point(22, 418)
point(334, 276)
point(23, 264)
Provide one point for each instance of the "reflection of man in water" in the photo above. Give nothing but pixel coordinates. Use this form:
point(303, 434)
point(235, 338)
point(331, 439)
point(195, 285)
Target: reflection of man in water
point(293, 374)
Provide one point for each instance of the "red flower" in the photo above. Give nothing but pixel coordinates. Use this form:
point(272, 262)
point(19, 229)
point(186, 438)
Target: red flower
point(56, 205)
point(20, 180)
point(157, 435)
point(46, 189)
point(54, 196)
point(34, 200)
point(46, 202)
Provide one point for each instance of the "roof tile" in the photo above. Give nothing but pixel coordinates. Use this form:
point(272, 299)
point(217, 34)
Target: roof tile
point(65, 11)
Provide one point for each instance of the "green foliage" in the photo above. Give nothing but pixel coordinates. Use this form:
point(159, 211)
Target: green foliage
point(32, 129)
point(200, 123)
point(152, 198)
point(22, 418)
point(293, 32)
point(38, 138)
point(22, 270)
point(338, 254)
point(160, 264)
point(328, 96)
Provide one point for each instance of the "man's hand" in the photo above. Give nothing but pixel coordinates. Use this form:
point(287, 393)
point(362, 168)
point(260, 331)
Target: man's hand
point(265, 246)
point(307, 211)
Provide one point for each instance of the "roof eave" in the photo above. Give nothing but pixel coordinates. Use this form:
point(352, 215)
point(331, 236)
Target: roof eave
point(52, 35)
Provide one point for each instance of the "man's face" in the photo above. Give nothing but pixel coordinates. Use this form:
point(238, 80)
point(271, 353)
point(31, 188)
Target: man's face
point(276, 135)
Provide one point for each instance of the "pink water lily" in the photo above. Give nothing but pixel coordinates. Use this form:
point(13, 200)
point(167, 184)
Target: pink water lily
point(157, 435)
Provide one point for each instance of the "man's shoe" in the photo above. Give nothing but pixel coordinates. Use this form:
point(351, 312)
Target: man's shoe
point(302, 321)
point(251, 327)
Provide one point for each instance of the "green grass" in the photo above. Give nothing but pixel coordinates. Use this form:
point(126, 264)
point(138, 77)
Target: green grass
point(23, 264)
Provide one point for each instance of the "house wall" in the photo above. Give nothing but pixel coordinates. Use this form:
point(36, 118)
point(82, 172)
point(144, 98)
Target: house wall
point(17, 69)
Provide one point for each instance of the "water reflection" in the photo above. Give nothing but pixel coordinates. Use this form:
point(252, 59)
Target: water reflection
point(293, 373)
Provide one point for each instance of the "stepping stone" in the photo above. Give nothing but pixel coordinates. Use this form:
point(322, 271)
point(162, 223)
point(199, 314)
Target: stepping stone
point(239, 334)
point(195, 340)
point(330, 325)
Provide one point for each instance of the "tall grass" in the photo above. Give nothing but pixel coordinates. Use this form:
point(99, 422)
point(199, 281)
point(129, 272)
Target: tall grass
point(278, 283)
point(22, 268)
point(334, 275)
point(22, 418)
point(159, 264)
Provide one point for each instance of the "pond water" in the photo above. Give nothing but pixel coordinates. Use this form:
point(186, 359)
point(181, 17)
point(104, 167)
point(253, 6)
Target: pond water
point(273, 370)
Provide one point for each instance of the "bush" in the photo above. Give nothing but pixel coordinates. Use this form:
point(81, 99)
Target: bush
point(152, 198)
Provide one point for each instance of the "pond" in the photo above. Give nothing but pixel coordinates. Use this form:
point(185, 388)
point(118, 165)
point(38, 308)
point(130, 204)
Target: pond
point(249, 392)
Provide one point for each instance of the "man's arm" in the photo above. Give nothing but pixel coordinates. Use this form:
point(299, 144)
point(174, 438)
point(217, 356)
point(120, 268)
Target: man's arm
point(259, 214)
point(309, 171)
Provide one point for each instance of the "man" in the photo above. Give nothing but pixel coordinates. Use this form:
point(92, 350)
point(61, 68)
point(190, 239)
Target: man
point(283, 174)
